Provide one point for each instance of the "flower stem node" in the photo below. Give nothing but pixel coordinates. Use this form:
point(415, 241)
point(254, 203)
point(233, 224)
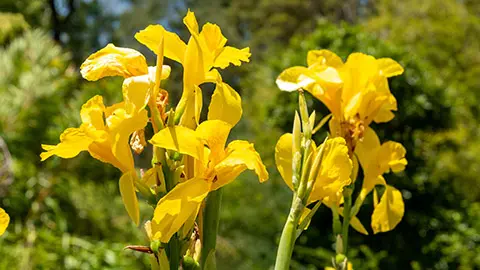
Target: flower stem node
point(155, 246)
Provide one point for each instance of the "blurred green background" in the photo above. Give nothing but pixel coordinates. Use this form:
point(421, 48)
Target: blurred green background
point(67, 214)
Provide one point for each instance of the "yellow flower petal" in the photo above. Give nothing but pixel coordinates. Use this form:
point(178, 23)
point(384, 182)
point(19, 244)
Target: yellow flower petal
point(136, 92)
point(294, 78)
point(129, 197)
point(226, 104)
point(385, 113)
point(191, 102)
point(191, 22)
point(324, 57)
point(389, 67)
point(180, 139)
point(230, 55)
point(72, 142)
point(358, 226)
point(215, 134)
point(166, 70)
point(102, 150)
point(354, 222)
point(391, 155)
point(213, 38)
point(114, 61)
point(367, 148)
point(389, 212)
point(369, 182)
point(283, 158)
point(327, 88)
point(193, 65)
point(335, 170)
point(121, 125)
point(240, 155)
point(174, 47)
point(175, 208)
point(92, 112)
point(4, 220)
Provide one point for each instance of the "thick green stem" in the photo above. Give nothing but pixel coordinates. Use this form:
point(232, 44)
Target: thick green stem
point(211, 220)
point(173, 253)
point(289, 235)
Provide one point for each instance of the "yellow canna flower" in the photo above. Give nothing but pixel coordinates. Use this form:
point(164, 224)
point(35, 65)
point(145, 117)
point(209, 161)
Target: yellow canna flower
point(377, 159)
point(217, 166)
point(356, 92)
point(204, 52)
point(140, 79)
point(105, 133)
point(334, 172)
point(4, 220)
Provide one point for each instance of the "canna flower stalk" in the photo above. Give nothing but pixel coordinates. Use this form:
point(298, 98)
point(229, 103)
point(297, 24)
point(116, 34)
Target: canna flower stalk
point(313, 173)
point(190, 162)
point(356, 93)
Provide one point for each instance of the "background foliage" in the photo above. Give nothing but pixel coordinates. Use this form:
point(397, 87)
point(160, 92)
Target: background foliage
point(69, 213)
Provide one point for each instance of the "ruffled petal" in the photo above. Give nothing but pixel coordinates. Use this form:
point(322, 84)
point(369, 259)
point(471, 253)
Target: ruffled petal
point(391, 155)
point(324, 57)
point(240, 155)
point(114, 61)
point(334, 173)
point(72, 142)
point(230, 55)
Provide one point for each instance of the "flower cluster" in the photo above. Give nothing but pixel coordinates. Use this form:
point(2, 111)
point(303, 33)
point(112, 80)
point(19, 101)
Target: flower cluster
point(190, 158)
point(356, 93)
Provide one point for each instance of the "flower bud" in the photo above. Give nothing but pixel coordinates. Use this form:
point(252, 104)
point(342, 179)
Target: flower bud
point(339, 245)
point(302, 103)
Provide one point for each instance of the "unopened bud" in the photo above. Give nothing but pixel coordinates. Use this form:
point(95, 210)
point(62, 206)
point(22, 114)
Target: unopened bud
point(339, 244)
point(317, 163)
point(302, 103)
point(296, 167)
point(297, 133)
point(311, 120)
point(340, 258)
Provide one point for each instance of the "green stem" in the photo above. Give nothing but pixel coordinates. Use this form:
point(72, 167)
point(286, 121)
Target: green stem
point(287, 240)
point(173, 253)
point(173, 246)
point(211, 220)
point(346, 220)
